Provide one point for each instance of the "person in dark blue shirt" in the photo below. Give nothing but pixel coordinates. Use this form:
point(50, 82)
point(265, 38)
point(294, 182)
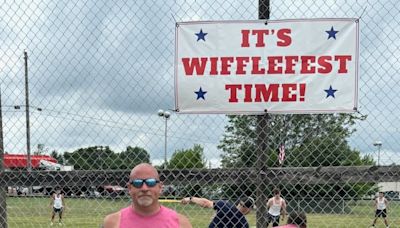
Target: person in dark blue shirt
point(228, 215)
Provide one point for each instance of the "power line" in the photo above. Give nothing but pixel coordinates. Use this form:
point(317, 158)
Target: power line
point(106, 123)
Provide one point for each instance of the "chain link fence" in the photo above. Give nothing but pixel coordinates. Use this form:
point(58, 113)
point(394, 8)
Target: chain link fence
point(96, 75)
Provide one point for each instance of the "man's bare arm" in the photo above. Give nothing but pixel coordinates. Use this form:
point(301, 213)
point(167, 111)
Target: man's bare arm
point(51, 200)
point(203, 202)
point(63, 200)
point(184, 221)
point(283, 208)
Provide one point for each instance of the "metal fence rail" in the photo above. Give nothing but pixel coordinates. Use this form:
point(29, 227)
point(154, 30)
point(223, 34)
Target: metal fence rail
point(82, 82)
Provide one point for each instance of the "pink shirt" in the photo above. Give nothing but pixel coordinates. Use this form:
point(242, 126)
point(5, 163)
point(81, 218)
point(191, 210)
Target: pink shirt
point(164, 218)
point(287, 226)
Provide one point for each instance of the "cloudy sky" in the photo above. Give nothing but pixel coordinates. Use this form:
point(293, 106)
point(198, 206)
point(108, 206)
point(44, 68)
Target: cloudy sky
point(100, 70)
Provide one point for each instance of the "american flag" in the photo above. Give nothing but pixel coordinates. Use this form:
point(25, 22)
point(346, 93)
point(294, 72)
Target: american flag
point(281, 155)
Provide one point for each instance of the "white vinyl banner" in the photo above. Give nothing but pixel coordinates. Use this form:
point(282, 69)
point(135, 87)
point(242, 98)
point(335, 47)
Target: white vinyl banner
point(253, 67)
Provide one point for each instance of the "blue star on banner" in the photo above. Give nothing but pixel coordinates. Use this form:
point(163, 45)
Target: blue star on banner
point(331, 33)
point(201, 35)
point(200, 94)
point(330, 92)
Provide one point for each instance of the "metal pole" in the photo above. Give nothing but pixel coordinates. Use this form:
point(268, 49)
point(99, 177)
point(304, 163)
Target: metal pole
point(28, 133)
point(379, 154)
point(379, 145)
point(3, 199)
point(165, 142)
point(262, 156)
point(261, 167)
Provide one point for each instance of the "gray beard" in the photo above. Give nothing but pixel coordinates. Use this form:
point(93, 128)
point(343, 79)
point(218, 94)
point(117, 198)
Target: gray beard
point(145, 201)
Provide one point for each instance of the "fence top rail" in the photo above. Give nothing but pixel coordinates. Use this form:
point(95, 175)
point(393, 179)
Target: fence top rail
point(305, 175)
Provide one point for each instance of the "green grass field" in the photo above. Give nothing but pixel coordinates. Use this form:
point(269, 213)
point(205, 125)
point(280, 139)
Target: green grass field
point(35, 212)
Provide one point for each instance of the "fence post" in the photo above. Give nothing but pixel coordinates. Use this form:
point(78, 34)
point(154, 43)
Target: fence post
point(262, 126)
point(261, 167)
point(3, 202)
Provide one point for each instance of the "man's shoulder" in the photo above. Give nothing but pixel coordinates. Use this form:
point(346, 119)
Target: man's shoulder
point(112, 220)
point(168, 210)
point(287, 226)
point(223, 205)
point(222, 201)
point(115, 215)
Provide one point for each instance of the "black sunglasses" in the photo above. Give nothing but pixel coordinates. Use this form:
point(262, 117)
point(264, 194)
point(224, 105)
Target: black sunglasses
point(138, 183)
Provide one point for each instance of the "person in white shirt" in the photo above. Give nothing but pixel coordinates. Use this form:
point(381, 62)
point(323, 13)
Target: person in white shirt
point(380, 204)
point(58, 205)
point(276, 207)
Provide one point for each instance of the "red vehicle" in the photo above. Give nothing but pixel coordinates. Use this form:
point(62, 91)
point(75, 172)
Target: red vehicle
point(112, 190)
point(45, 162)
point(20, 161)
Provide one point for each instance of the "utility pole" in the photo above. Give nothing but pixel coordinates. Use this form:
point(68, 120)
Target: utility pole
point(3, 202)
point(28, 130)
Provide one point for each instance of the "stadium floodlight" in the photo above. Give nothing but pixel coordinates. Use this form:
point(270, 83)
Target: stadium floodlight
point(377, 143)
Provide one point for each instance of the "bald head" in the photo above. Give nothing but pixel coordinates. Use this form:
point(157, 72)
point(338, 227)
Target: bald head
point(145, 194)
point(144, 170)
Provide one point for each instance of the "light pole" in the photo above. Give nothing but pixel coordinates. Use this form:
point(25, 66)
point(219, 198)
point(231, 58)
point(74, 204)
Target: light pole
point(379, 145)
point(165, 115)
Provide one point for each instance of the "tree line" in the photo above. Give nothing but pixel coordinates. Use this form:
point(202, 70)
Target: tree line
point(103, 158)
point(309, 140)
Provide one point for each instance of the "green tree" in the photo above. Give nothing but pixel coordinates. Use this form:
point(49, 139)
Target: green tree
point(131, 157)
point(90, 158)
point(102, 158)
point(239, 142)
point(310, 141)
point(57, 156)
point(189, 158)
point(40, 149)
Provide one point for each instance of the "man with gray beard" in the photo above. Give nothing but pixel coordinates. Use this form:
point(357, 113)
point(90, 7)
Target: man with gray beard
point(144, 188)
